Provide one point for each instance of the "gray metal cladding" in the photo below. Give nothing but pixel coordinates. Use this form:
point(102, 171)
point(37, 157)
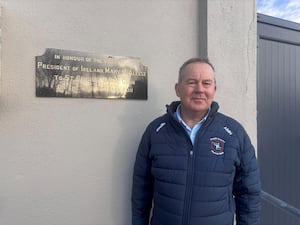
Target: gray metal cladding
point(278, 107)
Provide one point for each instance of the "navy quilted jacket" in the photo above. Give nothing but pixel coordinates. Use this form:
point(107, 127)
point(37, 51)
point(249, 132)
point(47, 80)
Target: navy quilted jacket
point(176, 183)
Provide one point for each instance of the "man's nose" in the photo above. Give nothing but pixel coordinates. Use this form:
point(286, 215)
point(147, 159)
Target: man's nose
point(199, 87)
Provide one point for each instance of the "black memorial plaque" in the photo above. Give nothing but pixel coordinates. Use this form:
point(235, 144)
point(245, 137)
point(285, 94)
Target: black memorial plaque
point(65, 73)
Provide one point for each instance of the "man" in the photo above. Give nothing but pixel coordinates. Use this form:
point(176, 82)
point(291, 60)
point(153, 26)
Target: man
point(194, 165)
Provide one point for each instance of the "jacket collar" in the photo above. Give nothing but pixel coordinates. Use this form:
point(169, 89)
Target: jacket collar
point(173, 106)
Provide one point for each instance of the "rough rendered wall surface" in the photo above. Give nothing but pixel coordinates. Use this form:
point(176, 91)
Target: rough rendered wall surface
point(232, 48)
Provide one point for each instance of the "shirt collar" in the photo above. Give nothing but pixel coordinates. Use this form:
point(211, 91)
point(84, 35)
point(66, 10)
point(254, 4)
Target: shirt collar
point(178, 117)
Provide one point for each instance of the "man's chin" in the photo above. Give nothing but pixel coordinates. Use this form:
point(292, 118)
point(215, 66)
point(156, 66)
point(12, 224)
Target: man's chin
point(201, 109)
point(200, 105)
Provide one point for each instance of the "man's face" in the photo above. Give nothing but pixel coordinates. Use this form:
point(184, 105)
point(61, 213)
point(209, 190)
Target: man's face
point(197, 88)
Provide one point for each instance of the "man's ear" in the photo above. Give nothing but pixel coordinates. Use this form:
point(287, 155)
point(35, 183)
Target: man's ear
point(177, 90)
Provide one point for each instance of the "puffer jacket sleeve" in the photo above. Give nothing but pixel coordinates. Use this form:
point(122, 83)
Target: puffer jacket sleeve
point(142, 186)
point(247, 187)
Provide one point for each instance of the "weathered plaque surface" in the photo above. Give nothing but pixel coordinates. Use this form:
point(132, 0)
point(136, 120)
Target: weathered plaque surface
point(65, 73)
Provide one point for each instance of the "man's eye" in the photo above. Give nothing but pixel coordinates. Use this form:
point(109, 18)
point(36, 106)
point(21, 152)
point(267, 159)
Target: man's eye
point(191, 82)
point(207, 83)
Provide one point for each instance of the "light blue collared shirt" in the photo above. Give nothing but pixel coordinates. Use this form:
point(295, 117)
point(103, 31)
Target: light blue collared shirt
point(192, 132)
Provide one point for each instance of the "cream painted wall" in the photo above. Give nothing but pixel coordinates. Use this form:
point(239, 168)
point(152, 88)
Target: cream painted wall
point(231, 32)
point(69, 161)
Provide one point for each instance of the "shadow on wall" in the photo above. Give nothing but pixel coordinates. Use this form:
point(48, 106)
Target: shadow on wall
point(133, 121)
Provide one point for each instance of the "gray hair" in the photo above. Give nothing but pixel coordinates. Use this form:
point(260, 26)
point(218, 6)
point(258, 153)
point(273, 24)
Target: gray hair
point(193, 60)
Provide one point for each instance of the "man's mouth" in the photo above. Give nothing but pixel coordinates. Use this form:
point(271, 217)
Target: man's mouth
point(199, 99)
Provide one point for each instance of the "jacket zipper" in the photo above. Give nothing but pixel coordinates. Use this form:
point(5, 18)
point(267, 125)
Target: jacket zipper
point(190, 173)
point(189, 186)
point(188, 191)
point(190, 178)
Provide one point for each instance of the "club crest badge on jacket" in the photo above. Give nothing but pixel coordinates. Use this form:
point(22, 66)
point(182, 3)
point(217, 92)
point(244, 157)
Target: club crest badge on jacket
point(217, 145)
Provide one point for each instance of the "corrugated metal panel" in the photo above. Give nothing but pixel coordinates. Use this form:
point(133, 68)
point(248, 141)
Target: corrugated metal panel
point(278, 116)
